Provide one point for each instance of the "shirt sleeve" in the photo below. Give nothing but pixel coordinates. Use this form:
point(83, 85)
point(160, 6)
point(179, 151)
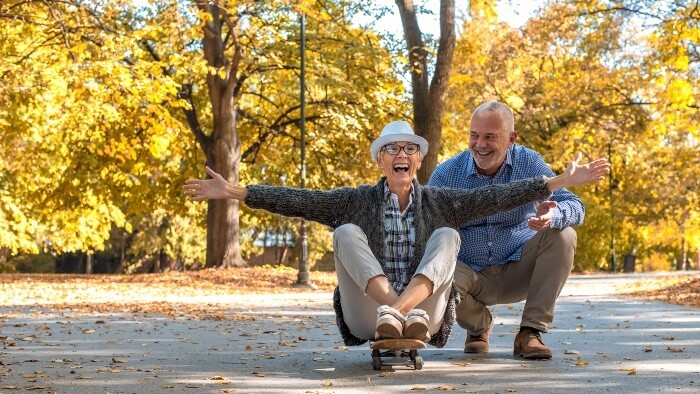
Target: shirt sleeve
point(325, 207)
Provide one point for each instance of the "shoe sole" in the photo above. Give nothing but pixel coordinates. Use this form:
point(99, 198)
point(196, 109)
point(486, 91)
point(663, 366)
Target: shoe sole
point(416, 331)
point(476, 351)
point(388, 329)
point(533, 355)
point(415, 328)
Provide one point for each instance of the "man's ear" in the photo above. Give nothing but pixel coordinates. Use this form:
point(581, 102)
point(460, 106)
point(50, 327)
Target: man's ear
point(513, 136)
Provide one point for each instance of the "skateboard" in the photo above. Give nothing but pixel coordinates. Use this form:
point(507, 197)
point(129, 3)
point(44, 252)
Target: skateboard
point(397, 350)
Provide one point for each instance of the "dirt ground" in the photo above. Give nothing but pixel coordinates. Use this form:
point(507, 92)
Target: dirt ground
point(203, 291)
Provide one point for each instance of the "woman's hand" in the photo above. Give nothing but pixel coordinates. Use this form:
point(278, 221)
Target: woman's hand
point(215, 188)
point(594, 171)
point(580, 174)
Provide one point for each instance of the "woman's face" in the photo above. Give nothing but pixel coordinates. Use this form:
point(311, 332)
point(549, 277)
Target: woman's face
point(399, 168)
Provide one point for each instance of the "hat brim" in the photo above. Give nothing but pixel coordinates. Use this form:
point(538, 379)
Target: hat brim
point(391, 138)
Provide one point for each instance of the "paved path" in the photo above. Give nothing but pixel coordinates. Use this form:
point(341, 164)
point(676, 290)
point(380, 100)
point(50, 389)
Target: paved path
point(288, 343)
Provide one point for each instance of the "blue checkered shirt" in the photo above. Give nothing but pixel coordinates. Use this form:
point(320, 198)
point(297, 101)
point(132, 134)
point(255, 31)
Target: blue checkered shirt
point(400, 236)
point(499, 238)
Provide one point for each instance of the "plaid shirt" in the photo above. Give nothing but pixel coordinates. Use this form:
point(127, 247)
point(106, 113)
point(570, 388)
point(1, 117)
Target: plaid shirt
point(499, 238)
point(400, 237)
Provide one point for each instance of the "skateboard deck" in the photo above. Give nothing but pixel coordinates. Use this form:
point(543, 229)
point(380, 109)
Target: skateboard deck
point(398, 352)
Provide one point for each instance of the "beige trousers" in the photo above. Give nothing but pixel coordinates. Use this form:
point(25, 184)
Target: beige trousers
point(537, 278)
point(355, 265)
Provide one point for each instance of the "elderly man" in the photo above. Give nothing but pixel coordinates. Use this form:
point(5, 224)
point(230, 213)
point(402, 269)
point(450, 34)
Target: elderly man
point(522, 254)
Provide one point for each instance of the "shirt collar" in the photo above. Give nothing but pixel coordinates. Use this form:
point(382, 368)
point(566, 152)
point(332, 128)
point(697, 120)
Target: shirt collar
point(388, 194)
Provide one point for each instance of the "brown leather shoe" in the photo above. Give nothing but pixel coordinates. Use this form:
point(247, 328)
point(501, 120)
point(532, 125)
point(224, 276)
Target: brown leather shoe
point(478, 343)
point(528, 344)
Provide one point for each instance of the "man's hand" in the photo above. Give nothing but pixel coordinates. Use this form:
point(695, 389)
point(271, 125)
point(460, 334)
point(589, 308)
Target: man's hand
point(543, 217)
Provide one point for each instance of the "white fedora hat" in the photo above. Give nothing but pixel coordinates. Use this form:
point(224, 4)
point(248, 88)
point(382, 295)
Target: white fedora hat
point(398, 131)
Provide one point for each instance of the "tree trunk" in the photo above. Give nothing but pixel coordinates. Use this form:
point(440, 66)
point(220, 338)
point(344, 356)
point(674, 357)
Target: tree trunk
point(223, 244)
point(122, 254)
point(159, 261)
point(223, 147)
point(429, 99)
point(682, 263)
point(88, 263)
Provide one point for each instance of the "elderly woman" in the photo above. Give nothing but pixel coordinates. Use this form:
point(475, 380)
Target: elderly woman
point(395, 242)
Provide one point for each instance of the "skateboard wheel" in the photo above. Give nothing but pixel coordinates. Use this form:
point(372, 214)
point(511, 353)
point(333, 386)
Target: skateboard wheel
point(377, 363)
point(418, 363)
point(412, 354)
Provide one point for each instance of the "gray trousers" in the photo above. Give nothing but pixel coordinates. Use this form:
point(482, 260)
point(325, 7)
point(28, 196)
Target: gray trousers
point(537, 278)
point(355, 265)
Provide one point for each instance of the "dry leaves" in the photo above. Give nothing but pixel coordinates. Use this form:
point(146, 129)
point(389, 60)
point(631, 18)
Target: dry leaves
point(629, 370)
point(148, 293)
point(680, 290)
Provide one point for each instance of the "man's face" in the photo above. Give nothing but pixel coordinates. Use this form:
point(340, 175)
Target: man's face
point(489, 141)
point(399, 168)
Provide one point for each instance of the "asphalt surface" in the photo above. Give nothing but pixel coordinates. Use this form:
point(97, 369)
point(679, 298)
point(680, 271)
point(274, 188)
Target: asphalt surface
point(288, 343)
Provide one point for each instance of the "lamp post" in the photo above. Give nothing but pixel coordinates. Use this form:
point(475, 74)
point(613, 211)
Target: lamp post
point(303, 273)
point(611, 186)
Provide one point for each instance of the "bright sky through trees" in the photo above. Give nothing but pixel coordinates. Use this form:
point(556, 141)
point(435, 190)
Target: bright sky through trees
point(514, 12)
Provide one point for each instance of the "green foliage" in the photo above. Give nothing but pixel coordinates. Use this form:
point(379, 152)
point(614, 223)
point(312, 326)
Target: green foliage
point(161, 233)
point(41, 263)
point(7, 268)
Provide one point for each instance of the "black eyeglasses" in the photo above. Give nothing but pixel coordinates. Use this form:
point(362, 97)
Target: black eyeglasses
point(394, 149)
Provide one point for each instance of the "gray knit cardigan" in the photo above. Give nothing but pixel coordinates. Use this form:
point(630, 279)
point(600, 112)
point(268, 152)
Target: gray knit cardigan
point(363, 206)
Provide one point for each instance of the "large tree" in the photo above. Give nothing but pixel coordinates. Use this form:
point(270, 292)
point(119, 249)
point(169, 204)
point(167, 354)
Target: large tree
point(344, 61)
point(429, 94)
